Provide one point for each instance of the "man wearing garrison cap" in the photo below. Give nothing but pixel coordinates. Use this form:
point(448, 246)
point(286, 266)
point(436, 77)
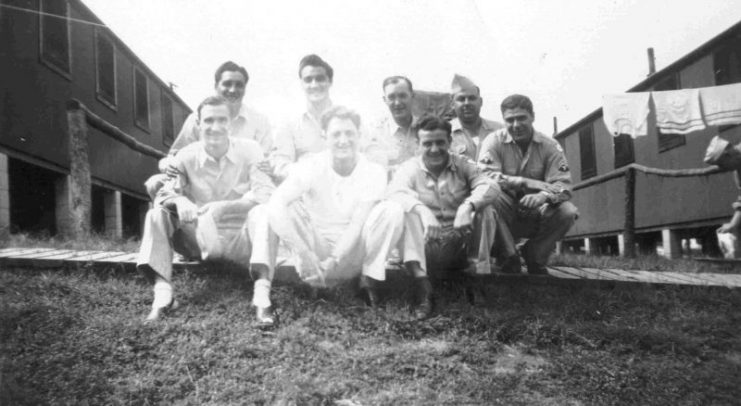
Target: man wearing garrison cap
point(469, 128)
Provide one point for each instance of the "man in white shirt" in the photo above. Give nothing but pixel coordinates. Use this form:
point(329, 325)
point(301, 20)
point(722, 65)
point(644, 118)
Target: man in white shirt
point(230, 82)
point(211, 209)
point(329, 211)
point(303, 135)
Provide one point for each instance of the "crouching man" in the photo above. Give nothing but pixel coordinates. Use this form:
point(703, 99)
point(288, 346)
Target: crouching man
point(328, 210)
point(532, 171)
point(449, 224)
point(208, 210)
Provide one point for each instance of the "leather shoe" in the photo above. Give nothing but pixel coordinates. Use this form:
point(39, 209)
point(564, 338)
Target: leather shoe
point(156, 313)
point(370, 295)
point(266, 317)
point(369, 292)
point(424, 291)
point(511, 265)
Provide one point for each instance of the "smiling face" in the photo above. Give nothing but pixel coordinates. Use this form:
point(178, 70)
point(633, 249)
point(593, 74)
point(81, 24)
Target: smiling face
point(467, 105)
point(519, 124)
point(316, 83)
point(434, 145)
point(231, 86)
point(342, 138)
point(398, 98)
point(213, 125)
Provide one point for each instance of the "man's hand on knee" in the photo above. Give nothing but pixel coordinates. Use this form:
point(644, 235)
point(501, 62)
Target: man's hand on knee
point(187, 210)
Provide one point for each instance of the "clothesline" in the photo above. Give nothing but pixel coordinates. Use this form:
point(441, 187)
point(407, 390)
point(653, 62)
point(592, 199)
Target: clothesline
point(677, 111)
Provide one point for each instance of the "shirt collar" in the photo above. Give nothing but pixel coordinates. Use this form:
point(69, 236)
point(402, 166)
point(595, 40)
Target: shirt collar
point(537, 137)
point(452, 166)
point(202, 156)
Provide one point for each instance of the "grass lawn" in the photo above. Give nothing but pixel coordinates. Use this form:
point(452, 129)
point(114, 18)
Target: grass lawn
point(77, 337)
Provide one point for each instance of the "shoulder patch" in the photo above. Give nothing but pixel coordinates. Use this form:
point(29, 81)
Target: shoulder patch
point(486, 159)
point(563, 166)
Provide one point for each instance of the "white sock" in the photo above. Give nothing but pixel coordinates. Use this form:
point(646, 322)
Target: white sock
point(162, 294)
point(261, 295)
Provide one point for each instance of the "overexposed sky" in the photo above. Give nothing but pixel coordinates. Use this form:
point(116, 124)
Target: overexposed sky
point(563, 54)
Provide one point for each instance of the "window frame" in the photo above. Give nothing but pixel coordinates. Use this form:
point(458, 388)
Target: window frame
point(587, 172)
point(99, 94)
point(628, 140)
point(146, 126)
point(726, 52)
point(165, 121)
point(45, 57)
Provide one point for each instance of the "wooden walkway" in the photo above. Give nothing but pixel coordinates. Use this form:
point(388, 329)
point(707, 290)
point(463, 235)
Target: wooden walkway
point(52, 258)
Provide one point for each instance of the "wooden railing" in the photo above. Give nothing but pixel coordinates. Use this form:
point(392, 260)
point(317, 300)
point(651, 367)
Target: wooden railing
point(78, 119)
point(629, 172)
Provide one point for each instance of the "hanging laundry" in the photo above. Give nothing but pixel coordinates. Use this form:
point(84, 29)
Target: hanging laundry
point(626, 113)
point(678, 111)
point(721, 105)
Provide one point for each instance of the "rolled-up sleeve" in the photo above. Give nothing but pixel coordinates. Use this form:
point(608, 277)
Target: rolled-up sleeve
point(483, 189)
point(558, 174)
point(489, 162)
point(402, 188)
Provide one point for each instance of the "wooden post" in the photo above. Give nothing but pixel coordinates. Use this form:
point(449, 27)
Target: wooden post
point(79, 189)
point(4, 197)
point(629, 232)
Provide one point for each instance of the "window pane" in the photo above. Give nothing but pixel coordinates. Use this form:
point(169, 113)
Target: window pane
point(106, 69)
point(624, 153)
point(168, 134)
point(55, 34)
point(141, 99)
point(586, 148)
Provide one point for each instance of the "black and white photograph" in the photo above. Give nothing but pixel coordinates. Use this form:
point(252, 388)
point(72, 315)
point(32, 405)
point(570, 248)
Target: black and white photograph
point(371, 202)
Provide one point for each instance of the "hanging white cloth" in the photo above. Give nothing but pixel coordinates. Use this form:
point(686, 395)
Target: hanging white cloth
point(678, 111)
point(721, 105)
point(626, 113)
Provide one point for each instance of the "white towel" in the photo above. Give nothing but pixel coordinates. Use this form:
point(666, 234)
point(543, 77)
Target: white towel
point(721, 105)
point(678, 111)
point(626, 113)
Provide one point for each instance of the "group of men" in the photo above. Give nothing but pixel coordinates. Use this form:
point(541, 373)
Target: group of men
point(441, 195)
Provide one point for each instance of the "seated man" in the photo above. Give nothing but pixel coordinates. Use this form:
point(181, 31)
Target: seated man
point(230, 81)
point(448, 221)
point(208, 209)
point(532, 171)
point(327, 210)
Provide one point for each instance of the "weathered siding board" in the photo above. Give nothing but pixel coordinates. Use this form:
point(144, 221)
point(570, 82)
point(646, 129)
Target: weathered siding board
point(601, 208)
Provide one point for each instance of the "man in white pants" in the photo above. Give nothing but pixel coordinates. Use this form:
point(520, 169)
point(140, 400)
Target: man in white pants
point(329, 210)
point(208, 210)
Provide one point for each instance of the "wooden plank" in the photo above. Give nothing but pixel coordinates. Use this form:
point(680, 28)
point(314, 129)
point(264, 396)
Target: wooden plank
point(113, 257)
point(21, 251)
point(585, 274)
point(124, 257)
point(558, 273)
point(42, 254)
point(605, 274)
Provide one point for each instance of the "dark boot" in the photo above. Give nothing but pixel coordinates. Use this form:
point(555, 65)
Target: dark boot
point(424, 295)
point(369, 291)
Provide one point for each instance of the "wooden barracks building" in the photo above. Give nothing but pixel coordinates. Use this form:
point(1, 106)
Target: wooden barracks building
point(45, 62)
point(667, 209)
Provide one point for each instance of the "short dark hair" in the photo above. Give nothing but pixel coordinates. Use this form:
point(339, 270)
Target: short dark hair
point(430, 122)
point(518, 101)
point(392, 80)
point(230, 66)
point(340, 112)
point(212, 101)
point(317, 61)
